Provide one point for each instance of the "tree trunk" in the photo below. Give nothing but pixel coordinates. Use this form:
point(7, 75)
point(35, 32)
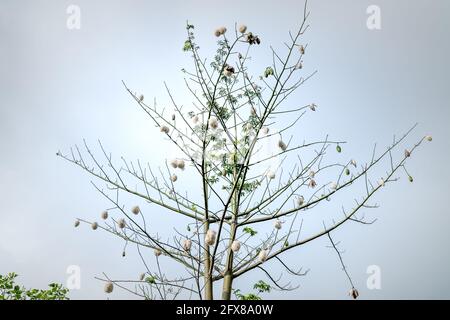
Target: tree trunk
point(228, 278)
point(208, 293)
point(227, 286)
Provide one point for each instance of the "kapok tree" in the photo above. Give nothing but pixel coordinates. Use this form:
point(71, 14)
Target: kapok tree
point(222, 142)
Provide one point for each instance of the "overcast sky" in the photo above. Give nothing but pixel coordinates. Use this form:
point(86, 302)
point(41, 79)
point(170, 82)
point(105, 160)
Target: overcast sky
point(59, 86)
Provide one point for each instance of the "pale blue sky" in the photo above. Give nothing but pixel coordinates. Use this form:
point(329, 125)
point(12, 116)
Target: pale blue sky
point(59, 86)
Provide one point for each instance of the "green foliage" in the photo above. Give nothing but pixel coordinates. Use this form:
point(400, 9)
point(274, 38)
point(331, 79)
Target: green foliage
point(150, 280)
point(261, 286)
point(9, 290)
point(248, 296)
point(187, 45)
point(268, 72)
point(250, 231)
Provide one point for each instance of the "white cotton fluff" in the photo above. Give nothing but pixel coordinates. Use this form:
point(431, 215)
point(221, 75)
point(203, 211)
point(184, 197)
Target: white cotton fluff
point(353, 162)
point(334, 186)
point(381, 182)
point(429, 138)
point(262, 256)
point(312, 174)
point(109, 287)
point(213, 123)
point(174, 163)
point(235, 246)
point(94, 226)
point(164, 129)
point(242, 28)
point(270, 175)
point(135, 210)
point(300, 201)
point(282, 145)
point(173, 178)
point(353, 293)
point(121, 223)
point(277, 224)
point(265, 130)
point(301, 48)
point(180, 164)
point(104, 215)
point(195, 119)
point(187, 244)
point(157, 252)
point(220, 31)
point(407, 153)
point(210, 237)
point(312, 183)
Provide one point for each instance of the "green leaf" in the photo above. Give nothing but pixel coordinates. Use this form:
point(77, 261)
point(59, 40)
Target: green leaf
point(250, 231)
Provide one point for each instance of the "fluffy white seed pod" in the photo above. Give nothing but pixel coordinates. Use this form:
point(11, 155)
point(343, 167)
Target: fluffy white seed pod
point(164, 129)
point(282, 145)
point(312, 173)
point(407, 153)
point(142, 276)
point(109, 287)
point(300, 201)
point(105, 215)
point(262, 256)
point(181, 164)
point(157, 252)
point(334, 186)
point(301, 48)
point(173, 178)
point(77, 223)
point(242, 28)
point(382, 182)
point(312, 183)
point(213, 123)
point(235, 246)
point(228, 70)
point(353, 293)
point(94, 226)
point(195, 119)
point(353, 162)
point(313, 106)
point(121, 223)
point(265, 130)
point(136, 210)
point(270, 175)
point(222, 30)
point(277, 224)
point(174, 163)
point(210, 237)
point(187, 244)
point(429, 138)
